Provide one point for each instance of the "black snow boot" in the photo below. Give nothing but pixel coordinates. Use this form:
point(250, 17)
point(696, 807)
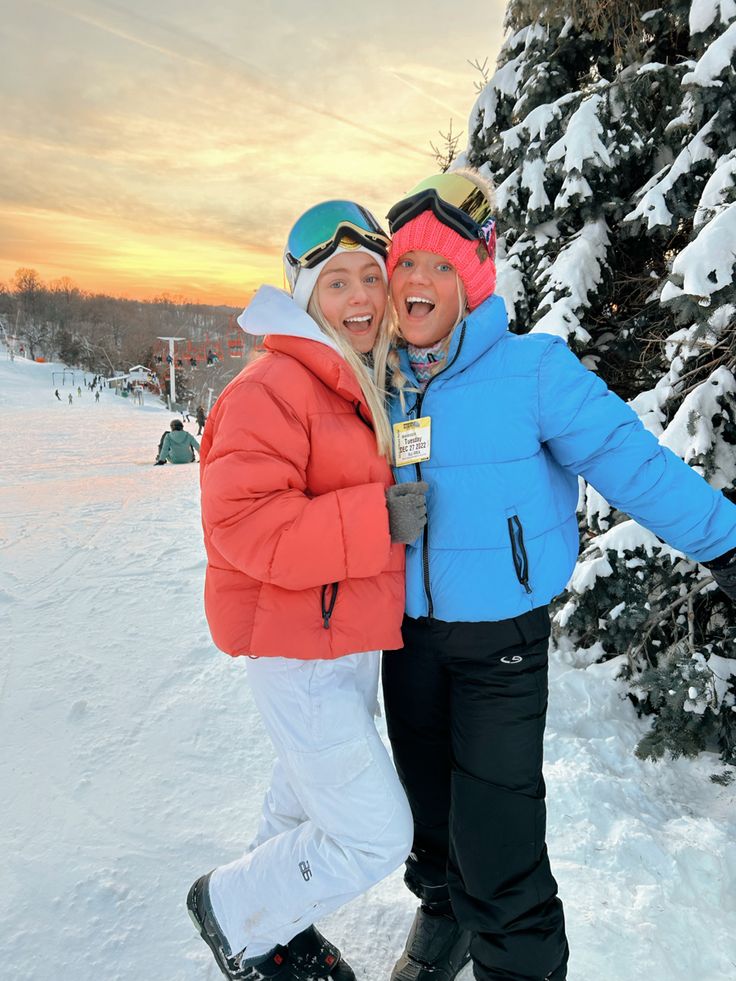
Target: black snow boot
point(307, 956)
point(437, 948)
point(273, 965)
point(312, 958)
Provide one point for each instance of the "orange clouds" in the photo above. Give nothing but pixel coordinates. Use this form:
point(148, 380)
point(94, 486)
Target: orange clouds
point(169, 149)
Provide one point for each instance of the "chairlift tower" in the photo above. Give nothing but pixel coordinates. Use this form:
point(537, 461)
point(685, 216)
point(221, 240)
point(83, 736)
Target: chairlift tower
point(172, 373)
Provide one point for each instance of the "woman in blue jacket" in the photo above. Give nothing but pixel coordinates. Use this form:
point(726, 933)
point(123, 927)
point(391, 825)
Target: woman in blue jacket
point(499, 426)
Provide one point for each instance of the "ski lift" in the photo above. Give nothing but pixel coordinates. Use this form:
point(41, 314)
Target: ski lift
point(235, 339)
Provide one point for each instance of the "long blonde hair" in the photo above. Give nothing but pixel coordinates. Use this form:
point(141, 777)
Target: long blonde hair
point(371, 383)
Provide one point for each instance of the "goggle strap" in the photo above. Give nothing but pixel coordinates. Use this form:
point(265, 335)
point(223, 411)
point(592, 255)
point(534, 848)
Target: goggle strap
point(450, 215)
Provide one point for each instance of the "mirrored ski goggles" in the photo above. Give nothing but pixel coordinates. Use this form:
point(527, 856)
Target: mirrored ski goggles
point(319, 232)
point(454, 200)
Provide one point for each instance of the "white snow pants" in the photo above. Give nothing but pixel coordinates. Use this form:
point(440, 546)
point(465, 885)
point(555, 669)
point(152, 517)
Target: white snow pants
point(335, 820)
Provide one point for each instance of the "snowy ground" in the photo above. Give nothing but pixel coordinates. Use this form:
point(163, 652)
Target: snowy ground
point(132, 759)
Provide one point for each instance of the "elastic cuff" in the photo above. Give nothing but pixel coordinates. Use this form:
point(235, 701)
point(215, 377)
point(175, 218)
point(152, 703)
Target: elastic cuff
point(244, 961)
point(429, 895)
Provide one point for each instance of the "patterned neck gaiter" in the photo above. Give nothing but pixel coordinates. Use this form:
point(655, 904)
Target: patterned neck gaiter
point(427, 361)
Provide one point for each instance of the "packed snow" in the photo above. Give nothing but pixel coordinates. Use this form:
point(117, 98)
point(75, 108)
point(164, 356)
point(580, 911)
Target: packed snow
point(134, 760)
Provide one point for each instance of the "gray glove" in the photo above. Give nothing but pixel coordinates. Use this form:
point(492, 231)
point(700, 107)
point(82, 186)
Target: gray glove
point(723, 570)
point(407, 510)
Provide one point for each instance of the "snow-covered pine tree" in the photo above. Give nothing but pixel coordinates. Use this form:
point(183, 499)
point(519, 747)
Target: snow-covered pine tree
point(609, 129)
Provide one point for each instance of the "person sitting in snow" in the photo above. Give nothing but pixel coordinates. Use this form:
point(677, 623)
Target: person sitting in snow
point(177, 446)
point(513, 420)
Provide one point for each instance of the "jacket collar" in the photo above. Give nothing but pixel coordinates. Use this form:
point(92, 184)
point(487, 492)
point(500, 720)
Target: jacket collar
point(290, 330)
point(272, 312)
point(473, 337)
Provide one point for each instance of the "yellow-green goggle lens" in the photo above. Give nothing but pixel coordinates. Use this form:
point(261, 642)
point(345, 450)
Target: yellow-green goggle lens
point(459, 192)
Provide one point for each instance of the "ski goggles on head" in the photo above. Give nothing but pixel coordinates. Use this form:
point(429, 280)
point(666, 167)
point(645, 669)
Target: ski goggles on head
point(325, 227)
point(454, 200)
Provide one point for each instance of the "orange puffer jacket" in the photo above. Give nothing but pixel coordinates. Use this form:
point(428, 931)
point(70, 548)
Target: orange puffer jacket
point(300, 560)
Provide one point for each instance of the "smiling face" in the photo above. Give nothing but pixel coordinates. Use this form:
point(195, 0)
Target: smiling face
point(351, 294)
point(425, 293)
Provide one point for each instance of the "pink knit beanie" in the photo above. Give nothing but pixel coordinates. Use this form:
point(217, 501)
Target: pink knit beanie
point(474, 261)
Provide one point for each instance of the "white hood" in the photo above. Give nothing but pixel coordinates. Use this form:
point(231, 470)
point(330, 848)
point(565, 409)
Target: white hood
point(272, 311)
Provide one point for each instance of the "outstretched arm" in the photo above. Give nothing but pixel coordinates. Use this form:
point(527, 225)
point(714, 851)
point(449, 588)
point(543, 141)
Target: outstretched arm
point(594, 433)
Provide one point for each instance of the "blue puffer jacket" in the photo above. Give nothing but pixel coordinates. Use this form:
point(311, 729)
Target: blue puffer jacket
point(515, 419)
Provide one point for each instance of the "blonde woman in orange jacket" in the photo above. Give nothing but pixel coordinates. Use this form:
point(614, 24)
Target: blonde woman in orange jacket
point(305, 537)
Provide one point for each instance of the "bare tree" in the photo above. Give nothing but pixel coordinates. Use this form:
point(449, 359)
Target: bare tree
point(447, 151)
point(484, 71)
point(30, 294)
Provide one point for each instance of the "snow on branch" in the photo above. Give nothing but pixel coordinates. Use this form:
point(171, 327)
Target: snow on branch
point(717, 58)
point(704, 13)
point(706, 265)
point(721, 186)
point(581, 142)
point(533, 127)
point(691, 433)
point(574, 274)
point(652, 205)
point(504, 82)
point(532, 179)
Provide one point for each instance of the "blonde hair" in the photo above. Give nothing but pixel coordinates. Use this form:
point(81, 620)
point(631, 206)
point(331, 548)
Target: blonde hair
point(371, 384)
point(386, 352)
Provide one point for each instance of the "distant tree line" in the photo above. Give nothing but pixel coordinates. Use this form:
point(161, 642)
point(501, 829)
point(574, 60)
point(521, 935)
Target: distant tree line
point(107, 334)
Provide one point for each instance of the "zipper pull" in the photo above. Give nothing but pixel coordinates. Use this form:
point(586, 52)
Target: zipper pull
point(327, 610)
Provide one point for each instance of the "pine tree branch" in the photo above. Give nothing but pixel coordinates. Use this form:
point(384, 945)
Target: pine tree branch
point(654, 621)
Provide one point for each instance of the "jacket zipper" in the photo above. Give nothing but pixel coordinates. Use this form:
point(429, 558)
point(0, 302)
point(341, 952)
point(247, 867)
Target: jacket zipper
point(327, 608)
point(418, 468)
point(362, 418)
point(518, 551)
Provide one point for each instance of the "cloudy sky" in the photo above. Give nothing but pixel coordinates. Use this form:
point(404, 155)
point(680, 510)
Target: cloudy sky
point(149, 147)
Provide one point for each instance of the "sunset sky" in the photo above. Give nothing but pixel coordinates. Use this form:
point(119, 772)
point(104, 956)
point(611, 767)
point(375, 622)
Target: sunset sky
point(150, 147)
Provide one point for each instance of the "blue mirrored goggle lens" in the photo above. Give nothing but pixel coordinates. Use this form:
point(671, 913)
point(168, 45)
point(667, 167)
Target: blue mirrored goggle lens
point(318, 226)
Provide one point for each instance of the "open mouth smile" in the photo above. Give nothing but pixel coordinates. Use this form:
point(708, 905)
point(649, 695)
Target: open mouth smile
point(359, 325)
point(418, 306)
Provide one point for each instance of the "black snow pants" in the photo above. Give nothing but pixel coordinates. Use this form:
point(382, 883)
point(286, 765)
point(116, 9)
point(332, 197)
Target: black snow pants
point(466, 705)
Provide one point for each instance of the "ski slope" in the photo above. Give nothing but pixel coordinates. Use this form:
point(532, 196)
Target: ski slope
point(133, 760)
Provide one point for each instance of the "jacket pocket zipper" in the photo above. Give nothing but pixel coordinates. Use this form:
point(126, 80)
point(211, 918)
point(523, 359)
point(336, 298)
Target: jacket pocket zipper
point(518, 551)
point(327, 608)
